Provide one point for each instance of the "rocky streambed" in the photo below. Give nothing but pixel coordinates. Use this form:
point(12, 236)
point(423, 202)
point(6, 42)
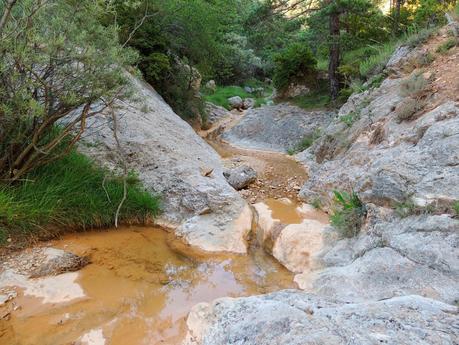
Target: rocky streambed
point(131, 285)
point(261, 266)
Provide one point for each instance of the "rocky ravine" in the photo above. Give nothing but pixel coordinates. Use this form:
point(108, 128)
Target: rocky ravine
point(397, 282)
point(171, 159)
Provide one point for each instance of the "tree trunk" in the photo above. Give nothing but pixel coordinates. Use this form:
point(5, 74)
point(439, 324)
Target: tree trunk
point(334, 55)
point(398, 7)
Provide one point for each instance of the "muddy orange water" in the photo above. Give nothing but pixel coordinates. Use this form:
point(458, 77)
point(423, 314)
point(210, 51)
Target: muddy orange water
point(139, 288)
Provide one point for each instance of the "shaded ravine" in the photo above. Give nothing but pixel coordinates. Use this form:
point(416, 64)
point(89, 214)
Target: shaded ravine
point(142, 281)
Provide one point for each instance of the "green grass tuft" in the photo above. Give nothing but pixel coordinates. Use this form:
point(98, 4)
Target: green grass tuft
point(69, 195)
point(305, 143)
point(447, 45)
point(349, 214)
point(221, 95)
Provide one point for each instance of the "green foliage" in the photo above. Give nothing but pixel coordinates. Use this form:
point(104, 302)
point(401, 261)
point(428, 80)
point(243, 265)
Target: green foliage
point(409, 208)
point(305, 143)
point(349, 213)
point(407, 108)
point(456, 205)
point(221, 95)
point(47, 71)
point(447, 45)
point(316, 203)
point(413, 86)
point(296, 63)
point(316, 99)
point(378, 55)
point(70, 193)
point(350, 119)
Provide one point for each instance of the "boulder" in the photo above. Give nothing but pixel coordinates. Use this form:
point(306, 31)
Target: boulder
point(276, 128)
point(211, 85)
point(248, 103)
point(215, 113)
point(236, 102)
point(169, 158)
point(248, 89)
point(297, 318)
point(240, 177)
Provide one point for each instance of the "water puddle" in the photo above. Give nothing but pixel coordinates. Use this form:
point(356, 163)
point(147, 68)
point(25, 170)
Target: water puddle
point(142, 282)
point(138, 290)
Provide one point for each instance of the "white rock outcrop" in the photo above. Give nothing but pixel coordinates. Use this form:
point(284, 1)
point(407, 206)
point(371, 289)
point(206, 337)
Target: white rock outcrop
point(173, 161)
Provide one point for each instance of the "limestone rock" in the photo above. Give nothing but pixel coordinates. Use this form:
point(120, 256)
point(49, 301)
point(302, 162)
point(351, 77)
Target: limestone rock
point(297, 318)
point(277, 128)
point(236, 102)
point(215, 113)
point(240, 177)
point(295, 246)
point(248, 103)
point(169, 157)
point(211, 85)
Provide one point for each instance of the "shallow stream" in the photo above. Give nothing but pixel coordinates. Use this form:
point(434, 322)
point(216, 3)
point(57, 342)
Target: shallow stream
point(139, 287)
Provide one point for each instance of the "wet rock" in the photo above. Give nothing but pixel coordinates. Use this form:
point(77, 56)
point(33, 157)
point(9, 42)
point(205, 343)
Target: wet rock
point(297, 318)
point(44, 261)
point(236, 102)
point(295, 246)
point(57, 261)
point(240, 177)
point(276, 128)
point(169, 157)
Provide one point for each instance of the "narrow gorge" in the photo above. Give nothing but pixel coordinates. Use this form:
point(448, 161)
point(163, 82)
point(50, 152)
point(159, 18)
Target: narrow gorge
point(279, 224)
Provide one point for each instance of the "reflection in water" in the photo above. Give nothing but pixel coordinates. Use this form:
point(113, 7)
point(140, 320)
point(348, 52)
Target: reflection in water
point(139, 288)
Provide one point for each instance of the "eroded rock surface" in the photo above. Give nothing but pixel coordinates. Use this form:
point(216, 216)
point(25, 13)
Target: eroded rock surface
point(43, 272)
point(170, 158)
point(297, 318)
point(276, 128)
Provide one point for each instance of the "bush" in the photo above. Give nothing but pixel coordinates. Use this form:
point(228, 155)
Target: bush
point(407, 108)
point(447, 45)
point(413, 86)
point(70, 193)
point(350, 119)
point(296, 63)
point(349, 213)
point(50, 75)
point(305, 143)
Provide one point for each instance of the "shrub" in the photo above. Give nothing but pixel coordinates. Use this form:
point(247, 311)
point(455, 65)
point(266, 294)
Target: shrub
point(456, 203)
point(296, 63)
point(349, 213)
point(350, 118)
point(316, 203)
point(407, 108)
point(413, 86)
point(447, 45)
point(305, 143)
point(422, 60)
point(71, 193)
point(51, 75)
